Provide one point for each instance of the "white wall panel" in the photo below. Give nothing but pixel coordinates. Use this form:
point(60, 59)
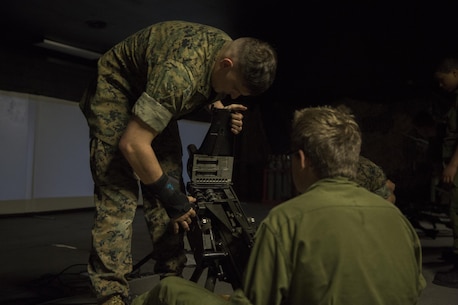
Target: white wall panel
point(44, 154)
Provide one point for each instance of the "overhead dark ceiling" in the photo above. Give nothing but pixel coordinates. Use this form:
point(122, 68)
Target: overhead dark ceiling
point(324, 46)
point(97, 25)
point(331, 29)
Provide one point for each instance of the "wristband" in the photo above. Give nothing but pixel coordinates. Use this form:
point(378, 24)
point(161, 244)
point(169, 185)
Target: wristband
point(167, 191)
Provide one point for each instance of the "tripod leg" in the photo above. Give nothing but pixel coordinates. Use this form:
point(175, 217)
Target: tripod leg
point(197, 273)
point(212, 274)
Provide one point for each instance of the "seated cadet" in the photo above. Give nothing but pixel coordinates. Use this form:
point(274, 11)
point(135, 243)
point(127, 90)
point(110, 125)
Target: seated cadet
point(335, 243)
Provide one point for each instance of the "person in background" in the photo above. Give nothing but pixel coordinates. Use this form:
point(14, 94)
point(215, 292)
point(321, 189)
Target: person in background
point(144, 85)
point(446, 75)
point(372, 177)
point(334, 243)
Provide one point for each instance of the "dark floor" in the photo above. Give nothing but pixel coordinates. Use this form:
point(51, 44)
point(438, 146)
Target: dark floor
point(43, 259)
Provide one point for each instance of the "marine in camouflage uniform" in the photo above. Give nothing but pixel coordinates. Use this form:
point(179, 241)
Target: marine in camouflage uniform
point(449, 146)
point(372, 177)
point(158, 74)
point(447, 78)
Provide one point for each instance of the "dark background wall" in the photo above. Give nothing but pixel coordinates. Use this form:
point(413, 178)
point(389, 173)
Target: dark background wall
point(376, 56)
point(373, 53)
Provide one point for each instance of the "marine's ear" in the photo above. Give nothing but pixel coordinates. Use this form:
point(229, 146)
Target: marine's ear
point(226, 62)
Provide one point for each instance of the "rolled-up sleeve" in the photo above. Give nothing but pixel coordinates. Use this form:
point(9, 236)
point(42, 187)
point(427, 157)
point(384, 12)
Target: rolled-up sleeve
point(146, 106)
point(168, 90)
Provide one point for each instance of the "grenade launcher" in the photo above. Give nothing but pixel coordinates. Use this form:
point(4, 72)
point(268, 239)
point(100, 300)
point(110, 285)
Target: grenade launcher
point(221, 236)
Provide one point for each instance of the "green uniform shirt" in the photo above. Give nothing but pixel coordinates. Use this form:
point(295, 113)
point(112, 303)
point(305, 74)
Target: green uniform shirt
point(159, 73)
point(337, 243)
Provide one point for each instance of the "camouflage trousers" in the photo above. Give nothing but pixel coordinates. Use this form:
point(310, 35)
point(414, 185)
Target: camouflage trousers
point(453, 213)
point(116, 194)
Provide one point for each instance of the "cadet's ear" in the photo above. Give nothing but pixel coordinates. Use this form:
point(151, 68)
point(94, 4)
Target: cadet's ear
point(303, 160)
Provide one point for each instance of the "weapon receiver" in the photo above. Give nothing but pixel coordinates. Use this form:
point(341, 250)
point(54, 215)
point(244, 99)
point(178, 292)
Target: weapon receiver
point(222, 235)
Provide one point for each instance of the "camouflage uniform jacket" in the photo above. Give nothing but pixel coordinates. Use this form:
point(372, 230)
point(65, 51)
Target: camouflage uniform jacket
point(159, 74)
point(451, 133)
point(372, 177)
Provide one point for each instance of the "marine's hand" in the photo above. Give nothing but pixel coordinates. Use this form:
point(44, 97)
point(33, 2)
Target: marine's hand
point(236, 107)
point(184, 220)
point(236, 117)
point(391, 186)
point(167, 190)
point(449, 173)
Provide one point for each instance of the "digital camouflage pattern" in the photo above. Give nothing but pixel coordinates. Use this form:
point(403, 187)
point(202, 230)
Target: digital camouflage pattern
point(451, 132)
point(159, 74)
point(164, 70)
point(450, 143)
point(372, 177)
point(115, 199)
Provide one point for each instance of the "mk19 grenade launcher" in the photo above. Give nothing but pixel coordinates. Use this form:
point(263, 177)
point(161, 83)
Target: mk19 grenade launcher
point(221, 237)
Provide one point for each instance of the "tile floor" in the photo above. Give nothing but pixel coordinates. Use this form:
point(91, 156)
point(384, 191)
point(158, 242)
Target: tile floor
point(43, 259)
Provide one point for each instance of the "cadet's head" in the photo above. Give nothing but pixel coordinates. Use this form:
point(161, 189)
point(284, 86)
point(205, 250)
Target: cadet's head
point(446, 74)
point(246, 66)
point(326, 142)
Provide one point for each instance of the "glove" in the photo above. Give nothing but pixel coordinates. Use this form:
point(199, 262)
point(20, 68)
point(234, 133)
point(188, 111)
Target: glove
point(168, 192)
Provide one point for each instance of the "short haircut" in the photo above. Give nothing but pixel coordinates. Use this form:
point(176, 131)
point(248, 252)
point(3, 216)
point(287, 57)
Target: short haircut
point(330, 138)
point(258, 64)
